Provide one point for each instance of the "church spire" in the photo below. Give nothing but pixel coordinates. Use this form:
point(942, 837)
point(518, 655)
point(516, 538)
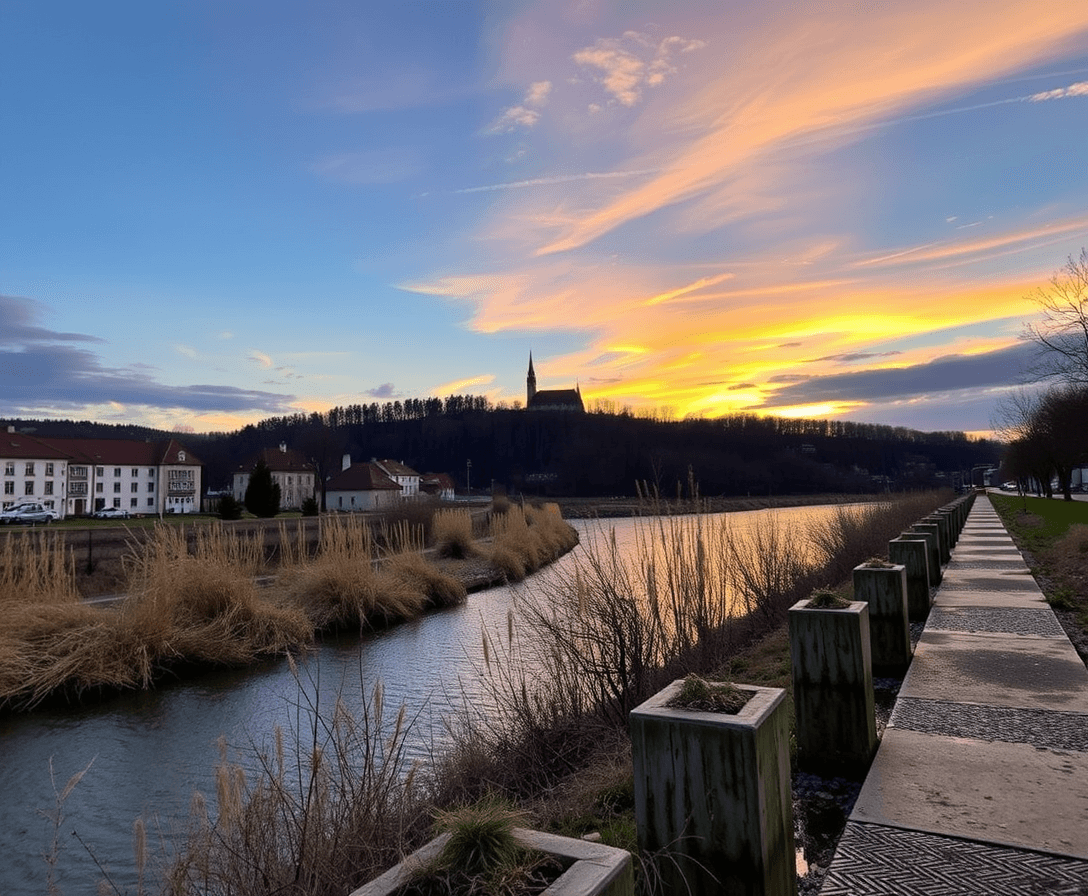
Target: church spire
point(530, 383)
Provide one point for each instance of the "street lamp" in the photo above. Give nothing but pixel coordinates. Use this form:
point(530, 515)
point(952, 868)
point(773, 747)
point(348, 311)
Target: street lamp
point(468, 477)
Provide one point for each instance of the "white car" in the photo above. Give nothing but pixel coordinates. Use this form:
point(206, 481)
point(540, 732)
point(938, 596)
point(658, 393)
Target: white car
point(110, 513)
point(28, 512)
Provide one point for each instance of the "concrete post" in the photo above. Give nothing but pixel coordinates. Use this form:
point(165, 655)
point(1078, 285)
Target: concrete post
point(932, 536)
point(913, 554)
point(831, 659)
point(713, 789)
point(884, 589)
point(945, 535)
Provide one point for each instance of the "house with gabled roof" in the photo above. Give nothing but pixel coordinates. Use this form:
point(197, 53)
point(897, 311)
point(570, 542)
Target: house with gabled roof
point(400, 473)
point(438, 485)
point(32, 471)
point(361, 486)
point(290, 471)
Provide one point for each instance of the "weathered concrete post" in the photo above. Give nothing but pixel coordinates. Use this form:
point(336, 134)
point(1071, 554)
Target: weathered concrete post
point(713, 789)
point(831, 659)
point(884, 588)
point(930, 533)
point(944, 533)
point(912, 553)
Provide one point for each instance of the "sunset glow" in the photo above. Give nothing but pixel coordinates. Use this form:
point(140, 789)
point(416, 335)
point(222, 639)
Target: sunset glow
point(223, 212)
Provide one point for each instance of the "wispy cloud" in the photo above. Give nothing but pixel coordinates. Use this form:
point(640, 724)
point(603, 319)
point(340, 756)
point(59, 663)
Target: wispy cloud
point(526, 113)
point(627, 65)
point(557, 180)
point(458, 386)
point(260, 357)
point(1078, 89)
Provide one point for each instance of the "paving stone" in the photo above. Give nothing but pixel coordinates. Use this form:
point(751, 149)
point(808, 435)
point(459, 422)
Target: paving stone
point(874, 860)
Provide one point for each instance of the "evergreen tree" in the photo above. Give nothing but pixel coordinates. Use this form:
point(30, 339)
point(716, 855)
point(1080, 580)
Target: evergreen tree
point(262, 494)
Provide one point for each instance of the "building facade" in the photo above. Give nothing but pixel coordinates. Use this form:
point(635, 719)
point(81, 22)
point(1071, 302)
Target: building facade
point(74, 477)
point(290, 471)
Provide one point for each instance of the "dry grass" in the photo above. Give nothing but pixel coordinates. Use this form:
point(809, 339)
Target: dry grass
point(331, 804)
point(526, 538)
point(452, 530)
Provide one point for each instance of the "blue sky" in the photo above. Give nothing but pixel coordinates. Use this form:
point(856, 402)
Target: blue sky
point(221, 211)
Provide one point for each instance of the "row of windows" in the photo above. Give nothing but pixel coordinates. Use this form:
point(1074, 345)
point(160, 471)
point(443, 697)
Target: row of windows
point(9, 468)
point(30, 467)
point(28, 488)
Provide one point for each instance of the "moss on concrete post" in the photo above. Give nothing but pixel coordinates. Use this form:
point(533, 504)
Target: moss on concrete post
point(713, 790)
point(912, 552)
point(831, 659)
point(884, 589)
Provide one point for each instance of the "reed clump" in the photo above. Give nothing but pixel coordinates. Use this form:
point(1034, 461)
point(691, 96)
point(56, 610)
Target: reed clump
point(324, 808)
point(453, 535)
point(526, 538)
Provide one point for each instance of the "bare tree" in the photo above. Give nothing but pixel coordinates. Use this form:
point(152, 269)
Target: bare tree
point(1061, 336)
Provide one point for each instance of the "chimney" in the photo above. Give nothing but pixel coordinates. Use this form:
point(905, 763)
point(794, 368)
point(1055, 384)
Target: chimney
point(346, 462)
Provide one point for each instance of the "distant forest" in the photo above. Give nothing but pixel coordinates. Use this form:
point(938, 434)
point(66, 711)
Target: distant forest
point(593, 454)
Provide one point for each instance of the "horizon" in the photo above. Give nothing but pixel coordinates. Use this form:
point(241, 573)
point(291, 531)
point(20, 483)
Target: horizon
point(225, 213)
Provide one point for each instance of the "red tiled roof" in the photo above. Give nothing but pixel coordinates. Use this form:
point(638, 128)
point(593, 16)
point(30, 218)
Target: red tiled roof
point(18, 445)
point(127, 452)
point(364, 477)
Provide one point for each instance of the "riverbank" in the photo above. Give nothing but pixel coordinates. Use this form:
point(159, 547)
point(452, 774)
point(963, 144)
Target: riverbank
point(619, 507)
point(195, 600)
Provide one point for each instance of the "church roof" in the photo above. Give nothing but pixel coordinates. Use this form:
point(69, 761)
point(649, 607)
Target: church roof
point(557, 398)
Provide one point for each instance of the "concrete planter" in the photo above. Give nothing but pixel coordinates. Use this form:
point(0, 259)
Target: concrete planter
point(884, 589)
point(597, 870)
point(912, 553)
point(713, 789)
point(831, 659)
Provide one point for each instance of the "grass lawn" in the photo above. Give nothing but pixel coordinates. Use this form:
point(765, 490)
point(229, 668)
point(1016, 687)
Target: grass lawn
point(1054, 536)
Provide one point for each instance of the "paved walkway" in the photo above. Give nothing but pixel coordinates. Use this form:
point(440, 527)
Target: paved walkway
point(980, 784)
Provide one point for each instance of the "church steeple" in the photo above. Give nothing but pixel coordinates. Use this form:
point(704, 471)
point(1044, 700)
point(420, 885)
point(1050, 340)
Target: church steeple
point(530, 383)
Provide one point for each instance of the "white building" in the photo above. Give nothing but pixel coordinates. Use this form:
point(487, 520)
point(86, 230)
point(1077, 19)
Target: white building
point(363, 486)
point(290, 471)
point(404, 476)
point(78, 476)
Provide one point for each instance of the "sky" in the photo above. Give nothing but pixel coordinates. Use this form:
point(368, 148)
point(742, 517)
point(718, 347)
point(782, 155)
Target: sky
point(216, 211)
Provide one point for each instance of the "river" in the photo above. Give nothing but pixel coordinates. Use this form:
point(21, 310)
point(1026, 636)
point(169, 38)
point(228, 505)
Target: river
point(147, 753)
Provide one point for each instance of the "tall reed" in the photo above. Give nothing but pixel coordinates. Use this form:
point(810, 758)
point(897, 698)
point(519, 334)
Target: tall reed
point(328, 805)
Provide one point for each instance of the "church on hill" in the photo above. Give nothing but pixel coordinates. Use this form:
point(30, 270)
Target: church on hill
point(551, 399)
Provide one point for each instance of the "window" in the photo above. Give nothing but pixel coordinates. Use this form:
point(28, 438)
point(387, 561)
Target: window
point(28, 488)
point(135, 472)
point(116, 471)
point(116, 488)
point(48, 469)
point(49, 487)
point(9, 468)
point(151, 472)
point(150, 502)
point(151, 486)
point(30, 468)
point(78, 472)
point(133, 502)
point(135, 487)
point(116, 502)
point(98, 487)
point(9, 488)
point(98, 471)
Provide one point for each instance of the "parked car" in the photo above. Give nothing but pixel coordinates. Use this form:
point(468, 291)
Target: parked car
point(1008, 487)
point(28, 512)
point(110, 513)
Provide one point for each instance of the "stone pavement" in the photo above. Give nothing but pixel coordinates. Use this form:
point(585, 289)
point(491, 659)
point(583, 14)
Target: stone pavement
point(980, 783)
